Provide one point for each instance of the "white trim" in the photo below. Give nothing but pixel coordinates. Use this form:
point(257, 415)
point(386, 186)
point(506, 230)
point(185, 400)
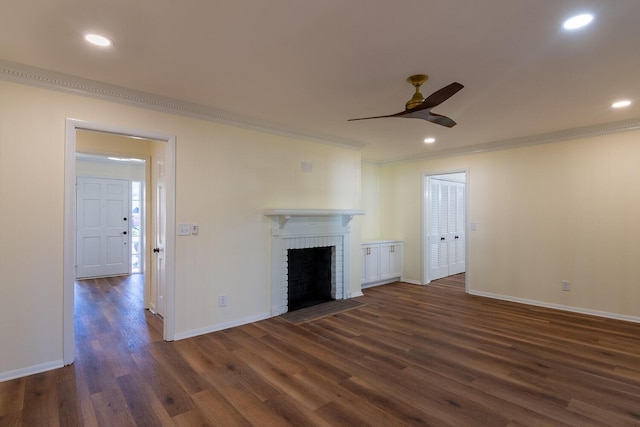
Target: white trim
point(381, 282)
point(313, 212)
point(537, 139)
point(39, 77)
point(562, 307)
point(221, 326)
point(31, 370)
point(354, 294)
point(33, 76)
point(72, 125)
point(413, 282)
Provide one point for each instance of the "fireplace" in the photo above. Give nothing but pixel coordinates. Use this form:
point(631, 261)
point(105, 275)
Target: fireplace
point(310, 276)
point(315, 230)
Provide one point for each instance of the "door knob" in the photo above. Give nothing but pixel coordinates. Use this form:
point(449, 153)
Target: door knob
point(156, 250)
point(124, 232)
point(442, 238)
point(457, 237)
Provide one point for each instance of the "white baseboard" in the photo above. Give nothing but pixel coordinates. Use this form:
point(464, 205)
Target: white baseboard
point(354, 294)
point(412, 282)
point(381, 282)
point(562, 307)
point(31, 370)
point(220, 326)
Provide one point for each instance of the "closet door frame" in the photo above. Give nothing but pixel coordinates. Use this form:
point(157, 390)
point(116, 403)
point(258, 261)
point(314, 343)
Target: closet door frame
point(426, 223)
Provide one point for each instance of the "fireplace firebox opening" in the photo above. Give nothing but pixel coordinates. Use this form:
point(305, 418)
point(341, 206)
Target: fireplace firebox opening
point(310, 276)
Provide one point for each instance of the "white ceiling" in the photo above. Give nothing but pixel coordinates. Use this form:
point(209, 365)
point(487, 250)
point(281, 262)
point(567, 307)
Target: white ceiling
point(308, 66)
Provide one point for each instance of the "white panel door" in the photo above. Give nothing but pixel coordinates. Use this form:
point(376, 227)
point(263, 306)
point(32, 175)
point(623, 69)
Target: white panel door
point(159, 279)
point(102, 247)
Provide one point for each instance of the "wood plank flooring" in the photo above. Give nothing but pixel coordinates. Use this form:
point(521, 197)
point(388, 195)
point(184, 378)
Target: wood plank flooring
point(410, 355)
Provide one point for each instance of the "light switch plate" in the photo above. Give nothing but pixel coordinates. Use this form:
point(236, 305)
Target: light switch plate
point(184, 229)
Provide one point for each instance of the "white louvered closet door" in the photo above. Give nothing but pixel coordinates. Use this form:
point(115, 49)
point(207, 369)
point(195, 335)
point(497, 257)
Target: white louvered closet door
point(446, 231)
point(456, 239)
point(439, 227)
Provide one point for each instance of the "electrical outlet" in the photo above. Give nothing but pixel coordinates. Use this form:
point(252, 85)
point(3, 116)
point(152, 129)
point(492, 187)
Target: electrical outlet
point(306, 167)
point(566, 285)
point(222, 300)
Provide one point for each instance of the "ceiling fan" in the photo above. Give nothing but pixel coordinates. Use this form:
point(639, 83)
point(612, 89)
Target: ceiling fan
point(420, 108)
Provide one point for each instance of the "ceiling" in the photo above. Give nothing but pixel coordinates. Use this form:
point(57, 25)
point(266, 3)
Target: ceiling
point(308, 66)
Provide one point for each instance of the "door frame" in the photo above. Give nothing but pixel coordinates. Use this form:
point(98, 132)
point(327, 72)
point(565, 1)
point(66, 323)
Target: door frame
point(425, 224)
point(69, 245)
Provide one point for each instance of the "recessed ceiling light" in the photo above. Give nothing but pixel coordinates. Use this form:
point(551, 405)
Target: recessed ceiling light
point(577, 21)
point(429, 140)
point(621, 104)
point(98, 40)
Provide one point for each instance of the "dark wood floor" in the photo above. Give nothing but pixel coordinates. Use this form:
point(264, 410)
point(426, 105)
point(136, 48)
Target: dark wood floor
point(410, 356)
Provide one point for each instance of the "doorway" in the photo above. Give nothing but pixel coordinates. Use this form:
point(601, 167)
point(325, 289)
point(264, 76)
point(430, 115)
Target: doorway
point(444, 225)
point(70, 242)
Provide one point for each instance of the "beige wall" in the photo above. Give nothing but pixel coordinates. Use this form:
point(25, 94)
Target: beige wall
point(370, 202)
point(225, 177)
point(546, 213)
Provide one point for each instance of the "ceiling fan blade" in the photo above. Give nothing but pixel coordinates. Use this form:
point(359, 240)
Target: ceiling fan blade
point(441, 120)
point(417, 114)
point(428, 116)
point(375, 117)
point(439, 96)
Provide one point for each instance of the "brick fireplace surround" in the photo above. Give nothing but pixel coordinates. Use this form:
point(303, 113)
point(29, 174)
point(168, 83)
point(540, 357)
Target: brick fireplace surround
point(308, 228)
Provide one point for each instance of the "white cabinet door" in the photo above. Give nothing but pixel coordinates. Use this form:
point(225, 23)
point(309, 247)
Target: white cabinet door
point(390, 260)
point(381, 262)
point(395, 260)
point(370, 263)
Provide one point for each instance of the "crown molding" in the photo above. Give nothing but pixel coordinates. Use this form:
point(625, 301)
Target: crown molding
point(47, 79)
point(542, 138)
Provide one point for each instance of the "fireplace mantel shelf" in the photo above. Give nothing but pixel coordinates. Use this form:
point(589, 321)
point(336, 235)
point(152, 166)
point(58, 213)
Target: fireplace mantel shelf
point(284, 215)
point(312, 212)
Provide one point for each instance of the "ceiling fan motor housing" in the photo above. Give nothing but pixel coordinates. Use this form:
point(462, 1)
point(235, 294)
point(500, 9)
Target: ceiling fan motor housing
point(416, 80)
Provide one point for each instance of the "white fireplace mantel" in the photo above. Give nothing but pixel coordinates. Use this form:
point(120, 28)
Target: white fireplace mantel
point(282, 216)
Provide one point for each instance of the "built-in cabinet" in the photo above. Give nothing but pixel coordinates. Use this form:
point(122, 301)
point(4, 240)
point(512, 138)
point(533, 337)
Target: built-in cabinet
point(381, 262)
